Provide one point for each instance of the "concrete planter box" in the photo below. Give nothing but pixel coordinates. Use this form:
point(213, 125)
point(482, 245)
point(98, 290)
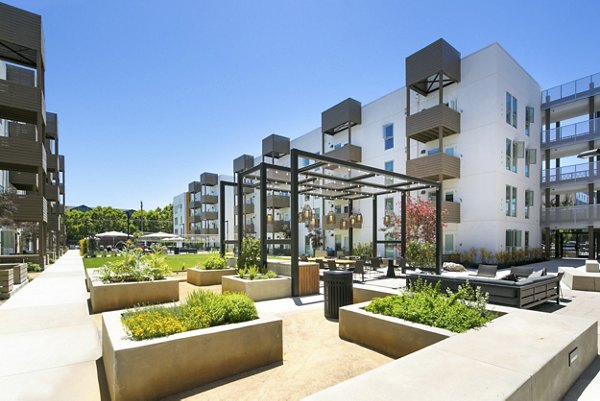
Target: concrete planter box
point(152, 369)
point(207, 277)
point(259, 290)
point(388, 335)
point(113, 296)
point(19, 271)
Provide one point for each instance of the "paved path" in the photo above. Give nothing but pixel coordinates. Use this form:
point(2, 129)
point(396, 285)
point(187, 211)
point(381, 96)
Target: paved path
point(49, 342)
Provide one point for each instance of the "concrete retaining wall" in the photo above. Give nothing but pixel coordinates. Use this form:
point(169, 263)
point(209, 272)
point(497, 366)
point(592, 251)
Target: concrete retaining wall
point(259, 290)
point(207, 277)
point(152, 369)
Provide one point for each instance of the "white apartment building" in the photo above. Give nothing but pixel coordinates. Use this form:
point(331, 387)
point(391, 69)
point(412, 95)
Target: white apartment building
point(180, 214)
point(478, 133)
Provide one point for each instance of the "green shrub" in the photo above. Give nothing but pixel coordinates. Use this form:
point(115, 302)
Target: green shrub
point(34, 267)
point(202, 309)
point(421, 303)
point(135, 266)
point(364, 250)
point(215, 262)
point(421, 254)
point(252, 273)
point(82, 247)
point(249, 255)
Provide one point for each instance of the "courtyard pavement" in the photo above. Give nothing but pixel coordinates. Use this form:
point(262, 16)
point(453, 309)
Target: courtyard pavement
point(51, 346)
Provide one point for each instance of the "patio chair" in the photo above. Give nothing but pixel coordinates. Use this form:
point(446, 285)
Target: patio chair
point(359, 268)
point(375, 263)
point(559, 277)
point(520, 271)
point(331, 264)
point(303, 258)
point(488, 271)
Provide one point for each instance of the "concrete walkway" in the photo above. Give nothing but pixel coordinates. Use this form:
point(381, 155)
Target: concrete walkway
point(50, 344)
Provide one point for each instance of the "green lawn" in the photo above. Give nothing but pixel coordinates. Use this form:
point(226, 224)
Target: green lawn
point(176, 262)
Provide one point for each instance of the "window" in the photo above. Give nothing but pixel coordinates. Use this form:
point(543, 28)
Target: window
point(511, 110)
point(388, 136)
point(513, 239)
point(510, 204)
point(528, 201)
point(449, 196)
point(528, 119)
point(389, 166)
point(513, 151)
point(526, 240)
point(448, 243)
point(389, 205)
point(305, 161)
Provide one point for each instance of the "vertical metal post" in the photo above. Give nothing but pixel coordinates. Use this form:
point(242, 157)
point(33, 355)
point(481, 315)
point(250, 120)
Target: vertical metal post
point(240, 209)
point(438, 231)
point(403, 224)
point(350, 229)
point(294, 221)
point(374, 231)
point(263, 215)
point(222, 227)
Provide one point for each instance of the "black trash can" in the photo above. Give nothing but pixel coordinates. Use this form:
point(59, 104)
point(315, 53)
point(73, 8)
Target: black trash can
point(176, 251)
point(338, 291)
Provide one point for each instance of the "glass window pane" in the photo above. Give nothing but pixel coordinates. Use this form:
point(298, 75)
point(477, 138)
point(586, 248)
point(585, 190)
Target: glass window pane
point(514, 112)
point(514, 202)
point(508, 108)
point(507, 202)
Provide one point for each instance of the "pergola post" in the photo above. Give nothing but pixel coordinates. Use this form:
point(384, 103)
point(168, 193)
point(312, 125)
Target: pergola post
point(403, 225)
point(240, 208)
point(222, 218)
point(438, 231)
point(374, 231)
point(294, 221)
point(350, 228)
point(263, 215)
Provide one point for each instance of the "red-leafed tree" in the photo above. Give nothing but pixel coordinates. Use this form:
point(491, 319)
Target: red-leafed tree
point(420, 220)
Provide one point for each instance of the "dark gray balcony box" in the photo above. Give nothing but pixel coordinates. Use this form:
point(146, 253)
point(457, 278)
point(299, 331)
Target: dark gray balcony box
point(209, 179)
point(51, 125)
point(275, 146)
point(244, 162)
point(194, 187)
point(423, 65)
point(341, 116)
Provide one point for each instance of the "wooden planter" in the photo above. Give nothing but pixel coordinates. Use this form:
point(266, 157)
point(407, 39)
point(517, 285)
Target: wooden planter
point(152, 369)
point(259, 290)
point(388, 335)
point(207, 277)
point(113, 296)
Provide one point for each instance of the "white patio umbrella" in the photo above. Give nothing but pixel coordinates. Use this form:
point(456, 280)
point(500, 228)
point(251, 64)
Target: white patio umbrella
point(173, 239)
point(157, 236)
point(112, 234)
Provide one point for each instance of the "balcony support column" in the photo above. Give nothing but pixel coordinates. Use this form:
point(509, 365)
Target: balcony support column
point(547, 241)
point(591, 247)
point(263, 215)
point(438, 231)
point(407, 115)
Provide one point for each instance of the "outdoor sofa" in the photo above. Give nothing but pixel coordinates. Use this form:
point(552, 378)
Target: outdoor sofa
point(524, 293)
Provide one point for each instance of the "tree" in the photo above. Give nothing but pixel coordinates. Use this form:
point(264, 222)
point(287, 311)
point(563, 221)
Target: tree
point(420, 220)
point(7, 210)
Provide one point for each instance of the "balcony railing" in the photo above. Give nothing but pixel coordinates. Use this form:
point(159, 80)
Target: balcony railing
point(21, 154)
point(572, 216)
point(278, 201)
point(209, 199)
point(424, 125)
point(351, 153)
point(573, 90)
point(209, 215)
point(209, 231)
point(452, 212)
point(278, 226)
point(195, 204)
point(433, 166)
point(578, 173)
point(572, 133)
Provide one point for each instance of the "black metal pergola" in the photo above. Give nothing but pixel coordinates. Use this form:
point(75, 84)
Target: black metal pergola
point(326, 178)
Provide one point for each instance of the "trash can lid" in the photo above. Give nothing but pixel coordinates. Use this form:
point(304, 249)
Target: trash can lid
point(336, 272)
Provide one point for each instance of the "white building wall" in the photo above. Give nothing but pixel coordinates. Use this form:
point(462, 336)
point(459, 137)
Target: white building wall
point(180, 214)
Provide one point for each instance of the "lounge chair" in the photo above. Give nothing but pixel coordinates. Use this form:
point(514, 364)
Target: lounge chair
point(486, 271)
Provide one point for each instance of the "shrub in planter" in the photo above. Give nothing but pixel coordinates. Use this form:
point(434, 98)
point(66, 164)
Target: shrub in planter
point(202, 309)
point(135, 266)
point(34, 267)
point(253, 273)
point(215, 262)
point(421, 303)
point(249, 254)
point(421, 254)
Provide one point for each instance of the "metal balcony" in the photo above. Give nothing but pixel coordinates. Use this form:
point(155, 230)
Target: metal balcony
point(581, 132)
point(571, 91)
point(350, 153)
point(209, 199)
point(278, 226)
point(195, 219)
point(572, 217)
point(30, 208)
point(424, 125)
point(434, 166)
point(278, 201)
point(52, 192)
point(195, 204)
point(584, 173)
point(209, 215)
point(209, 231)
point(21, 154)
point(23, 181)
point(21, 102)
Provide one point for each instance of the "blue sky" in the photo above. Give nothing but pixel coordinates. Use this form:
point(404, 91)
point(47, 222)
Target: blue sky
point(152, 93)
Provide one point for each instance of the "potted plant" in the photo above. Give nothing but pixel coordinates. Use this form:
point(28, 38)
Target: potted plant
point(214, 268)
point(153, 352)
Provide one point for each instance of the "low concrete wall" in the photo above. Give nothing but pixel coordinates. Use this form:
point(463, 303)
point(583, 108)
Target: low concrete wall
point(523, 355)
point(363, 293)
point(207, 277)
point(113, 296)
point(152, 369)
point(579, 279)
point(385, 334)
point(259, 290)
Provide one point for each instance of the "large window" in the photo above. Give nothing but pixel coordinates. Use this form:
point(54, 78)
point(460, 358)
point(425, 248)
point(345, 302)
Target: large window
point(389, 205)
point(388, 136)
point(528, 202)
point(511, 110)
point(529, 115)
point(513, 239)
point(448, 243)
point(510, 204)
point(512, 154)
point(389, 166)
